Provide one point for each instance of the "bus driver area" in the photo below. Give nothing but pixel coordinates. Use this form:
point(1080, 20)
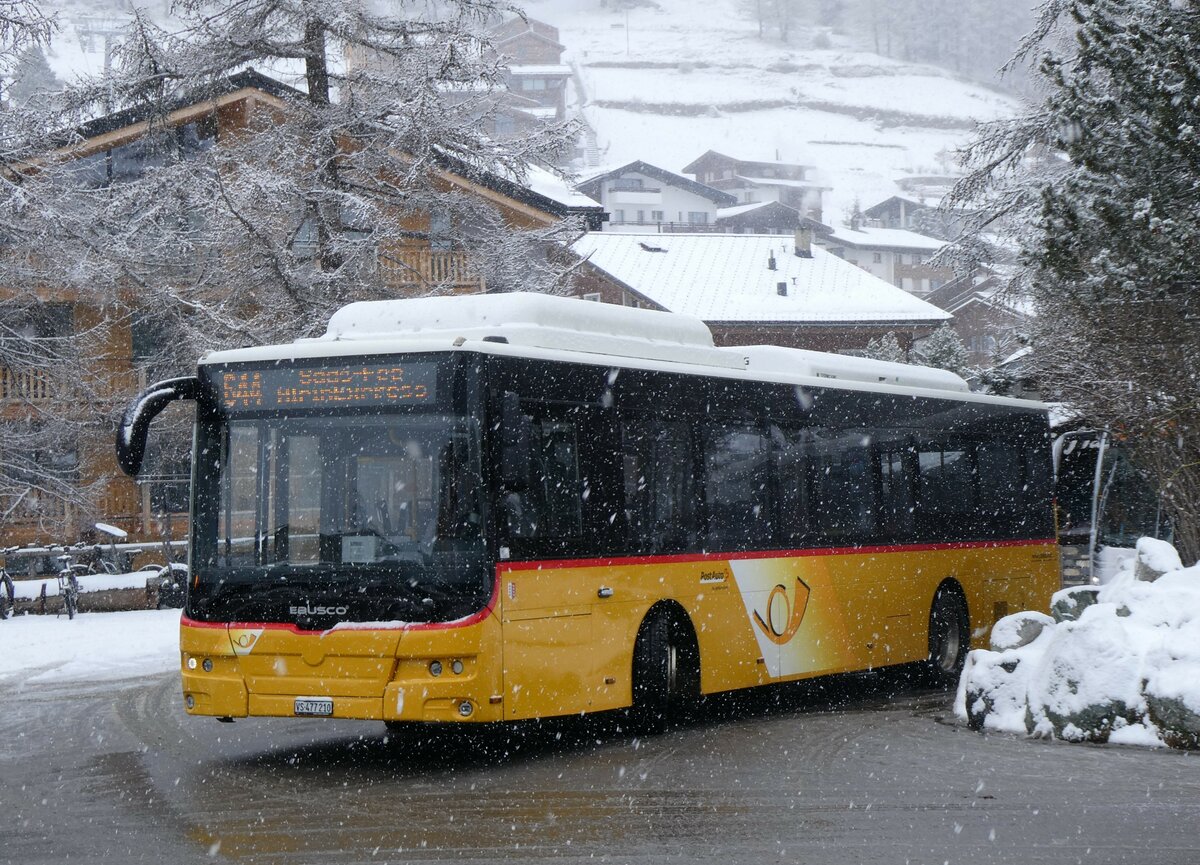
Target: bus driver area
point(501, 507)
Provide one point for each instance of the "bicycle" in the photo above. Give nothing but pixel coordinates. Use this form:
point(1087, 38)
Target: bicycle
point(68, 585)
point(8, 593)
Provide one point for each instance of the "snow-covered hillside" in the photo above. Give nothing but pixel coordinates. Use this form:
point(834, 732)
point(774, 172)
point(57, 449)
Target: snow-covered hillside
point(667, 81)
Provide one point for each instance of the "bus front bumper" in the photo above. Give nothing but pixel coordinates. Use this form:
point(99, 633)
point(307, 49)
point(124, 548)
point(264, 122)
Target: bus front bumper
point(440, 676)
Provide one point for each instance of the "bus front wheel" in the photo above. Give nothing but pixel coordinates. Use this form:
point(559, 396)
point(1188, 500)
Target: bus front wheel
point(949, 637)
point(665, 674)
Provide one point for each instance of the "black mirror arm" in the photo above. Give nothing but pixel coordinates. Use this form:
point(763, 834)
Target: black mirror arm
point(135, 422)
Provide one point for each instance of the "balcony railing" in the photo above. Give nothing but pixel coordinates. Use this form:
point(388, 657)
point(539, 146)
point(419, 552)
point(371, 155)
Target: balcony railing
point(408, 268)
point(32, 385)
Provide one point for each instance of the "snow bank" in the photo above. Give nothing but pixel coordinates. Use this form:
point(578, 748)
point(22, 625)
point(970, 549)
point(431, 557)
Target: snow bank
point(1116, 664)
point(90, 647)
point(29, 589)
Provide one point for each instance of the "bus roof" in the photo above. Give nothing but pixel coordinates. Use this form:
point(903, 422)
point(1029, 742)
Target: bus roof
point(561, 328)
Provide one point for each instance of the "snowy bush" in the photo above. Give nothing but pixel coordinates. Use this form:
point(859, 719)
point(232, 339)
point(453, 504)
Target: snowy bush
point(1116, 664)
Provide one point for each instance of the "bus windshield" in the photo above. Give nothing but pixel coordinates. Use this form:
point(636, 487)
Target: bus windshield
point(378, 515)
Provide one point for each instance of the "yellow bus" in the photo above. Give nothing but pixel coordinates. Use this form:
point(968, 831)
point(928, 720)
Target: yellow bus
point(490, 508)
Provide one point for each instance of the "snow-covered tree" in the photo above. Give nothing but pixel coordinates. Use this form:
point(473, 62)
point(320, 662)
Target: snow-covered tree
point(308, 205)
point(44, 353)
point(887, 347)
point(32, 77)
point(942, 349)
point(1099, 189)
point(252, 226)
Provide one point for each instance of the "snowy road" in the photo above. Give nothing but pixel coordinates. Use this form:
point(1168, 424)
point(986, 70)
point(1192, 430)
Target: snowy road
point(860, 772)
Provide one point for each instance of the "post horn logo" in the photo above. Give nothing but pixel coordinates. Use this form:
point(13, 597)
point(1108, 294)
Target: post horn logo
point(784, 614)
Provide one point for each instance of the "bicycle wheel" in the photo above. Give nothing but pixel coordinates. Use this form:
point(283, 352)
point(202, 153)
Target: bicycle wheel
point(71, 598)
point(7, 595)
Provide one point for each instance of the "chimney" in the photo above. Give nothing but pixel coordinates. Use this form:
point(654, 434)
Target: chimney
point(804, 243)
point(781, 289)
point(770, 261)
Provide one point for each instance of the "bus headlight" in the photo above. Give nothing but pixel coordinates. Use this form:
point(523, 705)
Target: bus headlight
point(465, 708)
point(435, 668)
point(456, 666)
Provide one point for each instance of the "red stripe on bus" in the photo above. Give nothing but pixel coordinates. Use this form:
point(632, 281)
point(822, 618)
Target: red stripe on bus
point(683, 558)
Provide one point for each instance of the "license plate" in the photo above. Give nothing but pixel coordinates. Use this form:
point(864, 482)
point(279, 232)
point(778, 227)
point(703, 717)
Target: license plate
point(314, 706)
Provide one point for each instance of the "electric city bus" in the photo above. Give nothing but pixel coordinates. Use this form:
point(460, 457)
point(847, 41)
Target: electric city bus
point(499, 507)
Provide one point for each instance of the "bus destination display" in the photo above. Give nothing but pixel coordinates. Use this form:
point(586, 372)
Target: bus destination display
point(325, 387)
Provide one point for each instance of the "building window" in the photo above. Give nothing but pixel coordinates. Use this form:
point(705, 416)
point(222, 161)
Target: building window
point(877, 257)
point(899, 258)
point(916, 258)
point(129, 161)
point(656, 216)
point(618, 216)
point(593, 296)
point(439, 230)
point(697, 217)
point(533, 83)
point(641, 216)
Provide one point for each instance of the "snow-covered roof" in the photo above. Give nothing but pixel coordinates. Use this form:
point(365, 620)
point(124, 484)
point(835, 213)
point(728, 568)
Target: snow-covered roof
point(726, 212)
point(778, 181)
point(592, 185)
point(545, 70)
point(710, 155)
point(541, 112)
point(725, 278)
point(552, 186)
point(539, 187)
point(885, 238)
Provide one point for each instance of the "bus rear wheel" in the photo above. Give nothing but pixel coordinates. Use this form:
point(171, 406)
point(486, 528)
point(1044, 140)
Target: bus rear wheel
point(949, 638)
point(665, 675)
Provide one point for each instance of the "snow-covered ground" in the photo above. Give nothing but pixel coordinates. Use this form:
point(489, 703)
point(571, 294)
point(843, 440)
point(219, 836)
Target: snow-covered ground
point(1120, 664)
point(90, 647)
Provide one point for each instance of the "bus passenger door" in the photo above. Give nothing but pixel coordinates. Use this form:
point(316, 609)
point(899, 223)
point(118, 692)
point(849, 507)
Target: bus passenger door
point(547, 607)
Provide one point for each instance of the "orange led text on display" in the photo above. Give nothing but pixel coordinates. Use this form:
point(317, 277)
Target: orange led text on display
point(300, 388)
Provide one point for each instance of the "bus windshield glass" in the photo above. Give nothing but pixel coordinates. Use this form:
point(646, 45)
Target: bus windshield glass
point(380, 512)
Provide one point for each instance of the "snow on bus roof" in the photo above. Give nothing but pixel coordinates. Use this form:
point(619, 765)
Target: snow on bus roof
point(572, 329)
point(564, 328)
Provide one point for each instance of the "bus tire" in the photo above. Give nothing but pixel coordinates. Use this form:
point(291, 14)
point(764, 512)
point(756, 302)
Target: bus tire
point(665, 674)
point(949, 637)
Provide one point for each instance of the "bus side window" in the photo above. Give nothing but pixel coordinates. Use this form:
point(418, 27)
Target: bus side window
point(896, 506)
point(843, 485)
point(660, 497)
point(737, 486)
point(558, 476)
point(792, 482)
point(1002, 482)
point(946, 484)
point(551, 506)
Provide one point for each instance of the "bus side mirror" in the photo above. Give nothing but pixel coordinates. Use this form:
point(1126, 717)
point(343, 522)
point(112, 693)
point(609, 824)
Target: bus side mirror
point(149, 404)
point(516, 445)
